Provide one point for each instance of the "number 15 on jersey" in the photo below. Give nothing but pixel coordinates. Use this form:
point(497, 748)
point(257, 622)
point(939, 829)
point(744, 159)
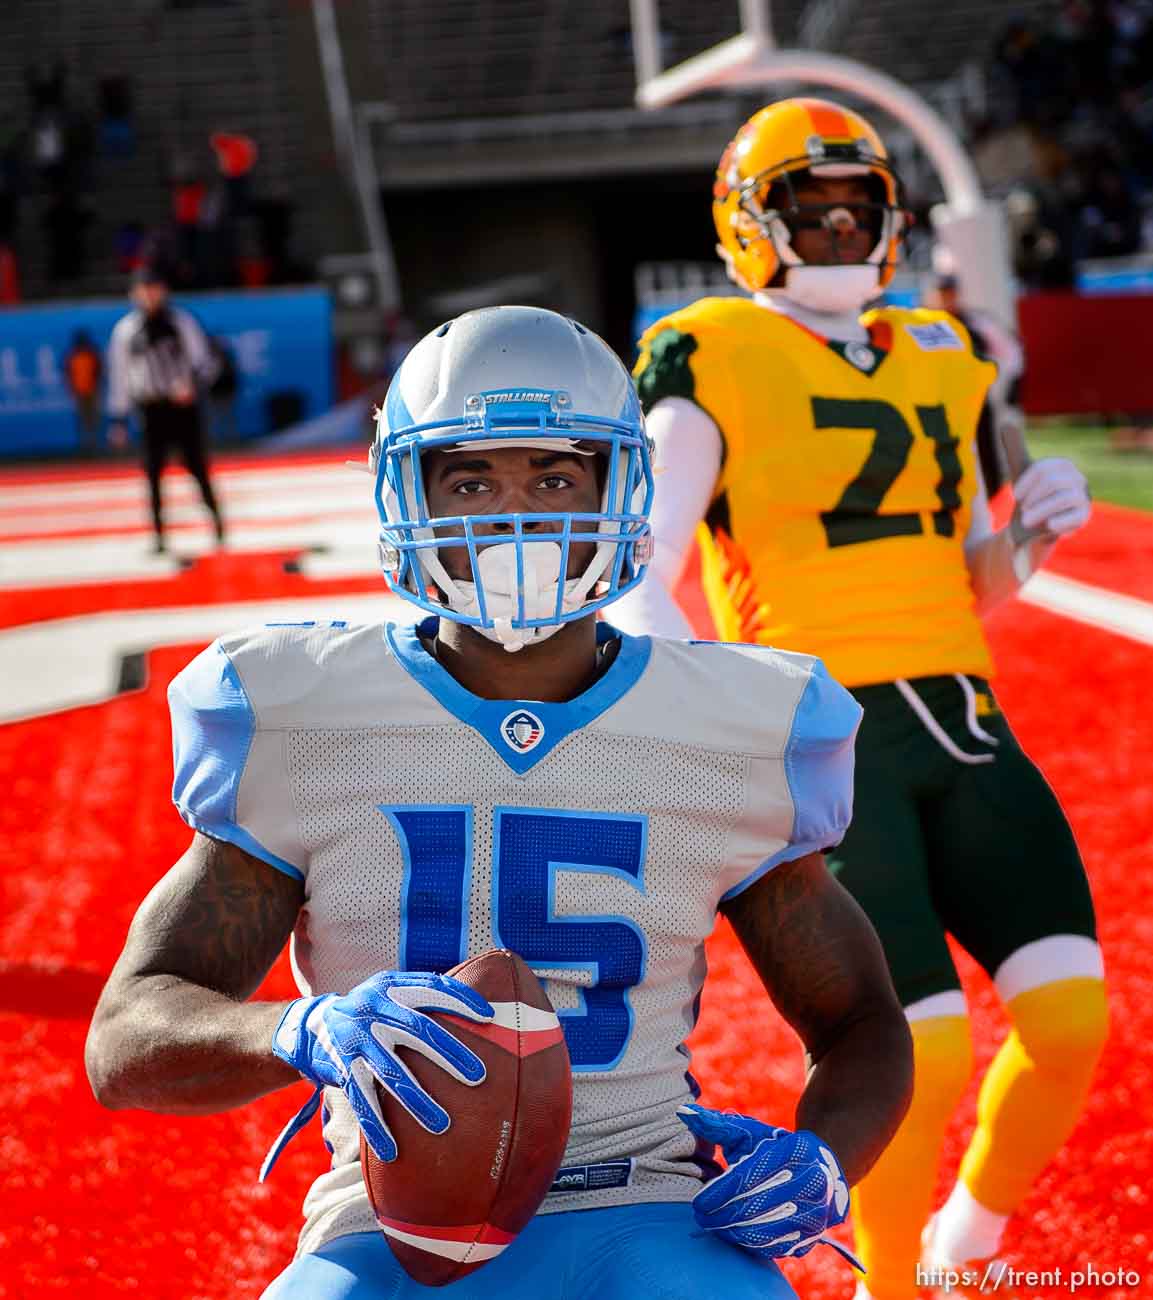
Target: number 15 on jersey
point(531, 847)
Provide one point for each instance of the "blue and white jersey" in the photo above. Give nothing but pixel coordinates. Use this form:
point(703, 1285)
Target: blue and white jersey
point(596, 838)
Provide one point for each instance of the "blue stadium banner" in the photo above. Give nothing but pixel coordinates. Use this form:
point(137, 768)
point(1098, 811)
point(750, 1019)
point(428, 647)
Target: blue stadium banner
point(280, 341)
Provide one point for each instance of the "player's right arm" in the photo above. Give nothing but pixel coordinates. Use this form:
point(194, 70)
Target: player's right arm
point(172, 1030)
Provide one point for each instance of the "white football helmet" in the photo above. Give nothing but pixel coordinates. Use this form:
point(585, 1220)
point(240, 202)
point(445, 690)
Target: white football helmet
point(521, 377)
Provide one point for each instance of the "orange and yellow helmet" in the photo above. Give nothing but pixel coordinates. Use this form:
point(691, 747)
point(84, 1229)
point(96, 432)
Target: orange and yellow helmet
point(753, 194)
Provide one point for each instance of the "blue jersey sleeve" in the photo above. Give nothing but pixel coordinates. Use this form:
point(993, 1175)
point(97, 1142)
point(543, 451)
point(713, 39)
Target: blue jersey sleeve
point(214, 731)
point(818, 762)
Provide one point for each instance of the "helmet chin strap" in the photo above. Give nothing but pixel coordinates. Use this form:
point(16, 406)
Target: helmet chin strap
point(833, 289)
point(836, 289)
point(496, 566)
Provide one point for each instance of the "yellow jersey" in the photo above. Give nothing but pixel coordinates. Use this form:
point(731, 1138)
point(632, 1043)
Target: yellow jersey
point(839, 517)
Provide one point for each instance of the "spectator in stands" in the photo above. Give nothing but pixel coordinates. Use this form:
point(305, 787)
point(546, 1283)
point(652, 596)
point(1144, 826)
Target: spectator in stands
point(48, 149)
point(1086, 31)
point(58, 141)
point(84, 368)
point(1108, 220)
point(235, 158)
point(186, 162)
point(1131, 19)
point(226, 205)
point(1131, 128)
point(1069, 135)
point(187, 214)
point(117, 118)
point(1035, 72)
point(158, 357)
point(1040, 246)
point(129, 243)
point(1021, 152)
point(217, 245)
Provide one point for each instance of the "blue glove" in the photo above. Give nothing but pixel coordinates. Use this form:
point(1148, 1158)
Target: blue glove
point(781, 1189)
point(349, 1041)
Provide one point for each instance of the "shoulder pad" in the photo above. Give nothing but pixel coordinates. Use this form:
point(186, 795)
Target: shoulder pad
point(930, 329)
point(312, 674)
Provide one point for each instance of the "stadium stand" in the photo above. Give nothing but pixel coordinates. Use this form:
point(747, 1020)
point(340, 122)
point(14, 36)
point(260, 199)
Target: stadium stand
point(193, 69)
point(473, 95)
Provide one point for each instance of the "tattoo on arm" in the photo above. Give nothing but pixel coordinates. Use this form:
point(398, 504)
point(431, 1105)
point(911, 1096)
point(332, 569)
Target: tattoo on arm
point(173, 1030)
point(219, 919)
point(822, 964)
point(814, 949)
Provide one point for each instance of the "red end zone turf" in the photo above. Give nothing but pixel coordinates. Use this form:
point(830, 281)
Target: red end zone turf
point(96, 1204)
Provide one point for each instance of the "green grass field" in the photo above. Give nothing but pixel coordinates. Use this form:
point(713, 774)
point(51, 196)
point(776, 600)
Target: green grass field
point(1120, 474)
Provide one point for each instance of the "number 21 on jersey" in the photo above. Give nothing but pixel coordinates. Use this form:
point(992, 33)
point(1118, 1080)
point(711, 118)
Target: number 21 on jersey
point(857, 515)
point(531, 847)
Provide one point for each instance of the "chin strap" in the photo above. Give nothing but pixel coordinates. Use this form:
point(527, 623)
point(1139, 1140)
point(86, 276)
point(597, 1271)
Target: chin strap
point(512, 638)
point(496, 566)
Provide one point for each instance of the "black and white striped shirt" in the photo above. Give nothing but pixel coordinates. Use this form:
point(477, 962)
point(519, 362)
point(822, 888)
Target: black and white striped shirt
point(150, 356)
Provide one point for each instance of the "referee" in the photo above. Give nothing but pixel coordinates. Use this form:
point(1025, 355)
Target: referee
point(157, 357)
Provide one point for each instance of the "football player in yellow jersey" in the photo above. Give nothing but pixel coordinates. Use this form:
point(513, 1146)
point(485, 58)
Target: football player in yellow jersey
point(829, 452)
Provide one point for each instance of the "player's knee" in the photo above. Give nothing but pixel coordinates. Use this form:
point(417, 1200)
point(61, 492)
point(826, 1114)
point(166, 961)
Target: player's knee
point(1063, 1025)
point(942, 1060)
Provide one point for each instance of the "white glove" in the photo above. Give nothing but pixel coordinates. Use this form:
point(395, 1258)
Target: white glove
point(1052, 497)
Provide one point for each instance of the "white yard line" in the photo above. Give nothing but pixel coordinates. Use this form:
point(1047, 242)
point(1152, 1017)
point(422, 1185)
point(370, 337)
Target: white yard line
point(96, 492)
point(293, 508)
point(131, 517)
point(89, 560)
point(1123, 615)
point(68, 662)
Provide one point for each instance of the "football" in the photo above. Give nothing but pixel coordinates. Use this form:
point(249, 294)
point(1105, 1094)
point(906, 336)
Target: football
point(449, 1202)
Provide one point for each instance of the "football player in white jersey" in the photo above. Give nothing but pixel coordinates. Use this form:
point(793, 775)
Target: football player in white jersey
point(510, 771)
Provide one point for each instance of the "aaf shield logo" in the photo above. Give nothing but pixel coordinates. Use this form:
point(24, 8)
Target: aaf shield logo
point(522, 731)
point(861, 356)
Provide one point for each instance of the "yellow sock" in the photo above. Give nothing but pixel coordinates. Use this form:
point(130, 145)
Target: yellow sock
point(1035, 1089)
point(892, 1203)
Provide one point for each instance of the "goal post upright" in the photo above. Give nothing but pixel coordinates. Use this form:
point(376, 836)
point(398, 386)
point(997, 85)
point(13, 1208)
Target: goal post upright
point(972, 228)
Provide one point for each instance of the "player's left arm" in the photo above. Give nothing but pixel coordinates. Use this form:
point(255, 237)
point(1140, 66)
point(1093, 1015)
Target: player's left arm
point(1051, 494)
point(821, 962)
point(687, 454)
point(1052, 501)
